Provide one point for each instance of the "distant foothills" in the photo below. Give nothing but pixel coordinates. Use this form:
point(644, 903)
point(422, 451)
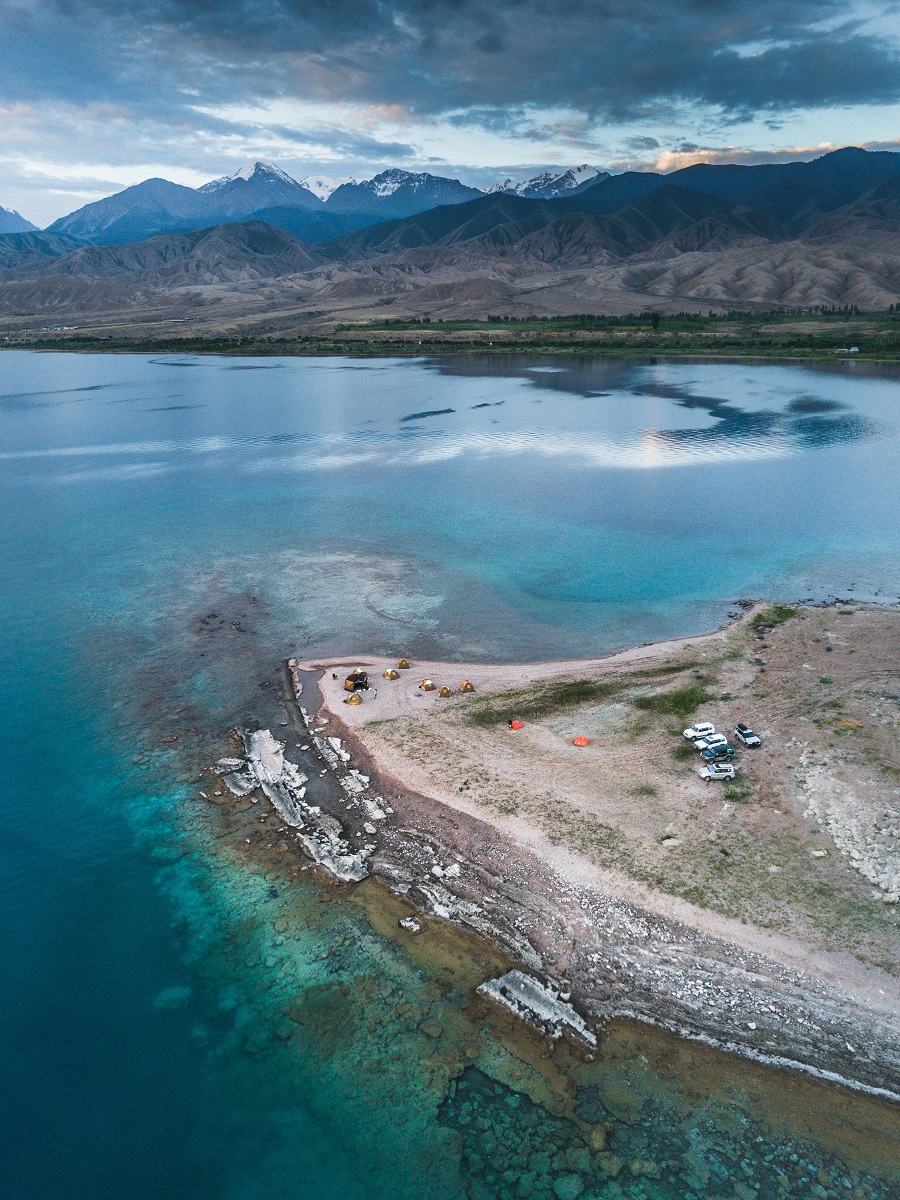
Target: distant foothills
point(260, 249)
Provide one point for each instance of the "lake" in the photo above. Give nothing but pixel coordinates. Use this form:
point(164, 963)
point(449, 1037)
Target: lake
point(179, 1021)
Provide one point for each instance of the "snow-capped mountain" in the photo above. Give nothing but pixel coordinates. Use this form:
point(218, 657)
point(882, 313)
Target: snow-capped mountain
point(323, 185)
point(260, 172)
point(550, 184)
point(263, 191)
point(396, 193)
point(13, 222)
point(256, 185)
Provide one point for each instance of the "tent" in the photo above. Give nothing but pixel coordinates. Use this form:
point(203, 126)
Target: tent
point(467, 686)
point(426, 685)
point(444, 691)
point(403, 664)
point(390, 673)
point(354, 698)
point(356, 681)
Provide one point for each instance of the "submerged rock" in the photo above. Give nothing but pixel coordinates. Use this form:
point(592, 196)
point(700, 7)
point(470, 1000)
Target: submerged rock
point(538, 1004)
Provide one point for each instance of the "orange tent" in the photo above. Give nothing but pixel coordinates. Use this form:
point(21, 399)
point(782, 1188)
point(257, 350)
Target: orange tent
point(517, 724)
point(581, 740)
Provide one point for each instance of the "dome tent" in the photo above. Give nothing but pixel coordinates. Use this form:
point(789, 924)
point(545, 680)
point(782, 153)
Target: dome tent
point(390, 673)
point(356, 681)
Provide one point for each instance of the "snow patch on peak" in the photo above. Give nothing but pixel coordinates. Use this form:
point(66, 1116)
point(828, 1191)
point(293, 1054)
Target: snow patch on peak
point(323, 185)
point(580, 174)
point(250, 171)
point(551, 183)
point(389, 181)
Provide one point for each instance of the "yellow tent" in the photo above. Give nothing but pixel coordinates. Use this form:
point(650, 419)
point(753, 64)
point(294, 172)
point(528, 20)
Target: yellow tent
point(426, 685)
point(467, 686)
point(354, 698)
point(403, 664)
point(444, 691)
point(390, 673)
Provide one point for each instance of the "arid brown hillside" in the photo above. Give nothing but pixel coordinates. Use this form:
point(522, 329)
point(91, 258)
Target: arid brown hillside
point(670, 248)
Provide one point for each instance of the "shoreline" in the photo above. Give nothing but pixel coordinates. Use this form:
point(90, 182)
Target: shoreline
point(812, 989)
point(333, 348)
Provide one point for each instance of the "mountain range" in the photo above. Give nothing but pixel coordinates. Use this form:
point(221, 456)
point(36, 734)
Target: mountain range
point(823, 232)
point(315, 209)
point(260, 191)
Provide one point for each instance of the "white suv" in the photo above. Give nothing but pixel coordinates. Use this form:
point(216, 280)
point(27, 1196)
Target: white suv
point(711, 741)
point(701, 729)
point(716, 771)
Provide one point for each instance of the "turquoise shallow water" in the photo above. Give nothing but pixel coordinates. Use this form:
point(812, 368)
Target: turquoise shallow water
point(559, 509)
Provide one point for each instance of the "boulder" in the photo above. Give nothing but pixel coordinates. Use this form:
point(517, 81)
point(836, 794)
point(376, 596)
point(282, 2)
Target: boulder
point(609, 1165)
point(644, 1167)
point(568, 1187)
point(598, 1137)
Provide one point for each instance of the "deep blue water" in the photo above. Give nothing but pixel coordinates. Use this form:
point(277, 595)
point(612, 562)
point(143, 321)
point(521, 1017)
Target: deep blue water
point(560, 508)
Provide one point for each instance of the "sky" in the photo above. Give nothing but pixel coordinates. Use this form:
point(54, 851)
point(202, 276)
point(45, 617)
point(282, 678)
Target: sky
point(96, 95)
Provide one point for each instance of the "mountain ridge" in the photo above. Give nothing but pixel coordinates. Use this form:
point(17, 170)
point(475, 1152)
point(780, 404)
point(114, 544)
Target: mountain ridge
point(633, 238)
point(13, 222)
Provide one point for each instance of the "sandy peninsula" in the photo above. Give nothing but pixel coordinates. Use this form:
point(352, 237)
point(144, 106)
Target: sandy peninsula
point(762, 918)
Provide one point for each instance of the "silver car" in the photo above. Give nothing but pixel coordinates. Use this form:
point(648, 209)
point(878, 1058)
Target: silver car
point(719, 770)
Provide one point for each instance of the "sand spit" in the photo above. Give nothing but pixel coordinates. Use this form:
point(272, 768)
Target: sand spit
point(618, 941)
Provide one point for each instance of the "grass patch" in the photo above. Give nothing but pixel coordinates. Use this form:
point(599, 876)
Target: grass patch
point(643, 789)
point(681, 702)
point(657, 672)
point(733, 792)
point(775, 614)
point(683, 751)
point(543, 701)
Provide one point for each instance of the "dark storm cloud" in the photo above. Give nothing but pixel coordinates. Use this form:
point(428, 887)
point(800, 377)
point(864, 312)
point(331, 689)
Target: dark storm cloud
point(613, 59)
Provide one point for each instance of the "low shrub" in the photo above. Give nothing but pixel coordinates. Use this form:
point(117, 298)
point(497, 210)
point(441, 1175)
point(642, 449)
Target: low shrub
point(683, 751)
point(775, 614)
point(643, 789)
point(682, 702)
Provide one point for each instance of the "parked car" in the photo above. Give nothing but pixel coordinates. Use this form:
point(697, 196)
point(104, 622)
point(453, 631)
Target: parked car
point(745, 734)
point(714, 739)
point(717, 753)
point(701, 729)
point(716, 771)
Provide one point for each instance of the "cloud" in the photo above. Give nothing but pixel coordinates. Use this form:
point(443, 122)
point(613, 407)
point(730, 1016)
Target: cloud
point(114, 87)
point(611, 59)
point(689, 155)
